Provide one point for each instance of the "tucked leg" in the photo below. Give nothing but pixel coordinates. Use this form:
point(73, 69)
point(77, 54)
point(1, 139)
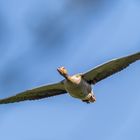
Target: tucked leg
point(86, 101)
point(90, 99)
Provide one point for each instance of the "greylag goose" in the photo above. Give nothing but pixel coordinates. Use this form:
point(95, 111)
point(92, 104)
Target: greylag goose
point(79, 85)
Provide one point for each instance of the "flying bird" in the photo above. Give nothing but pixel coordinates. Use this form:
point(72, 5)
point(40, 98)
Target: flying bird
point(79, 85)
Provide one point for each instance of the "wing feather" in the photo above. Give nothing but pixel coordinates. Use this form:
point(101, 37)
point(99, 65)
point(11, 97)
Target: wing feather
point(37, 93)
point(103, 71)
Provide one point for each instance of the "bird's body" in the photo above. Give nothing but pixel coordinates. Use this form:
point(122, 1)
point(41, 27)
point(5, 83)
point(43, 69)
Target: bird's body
point(79, 85)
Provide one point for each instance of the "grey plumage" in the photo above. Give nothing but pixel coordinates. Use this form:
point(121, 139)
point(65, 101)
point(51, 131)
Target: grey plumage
point(91, 77)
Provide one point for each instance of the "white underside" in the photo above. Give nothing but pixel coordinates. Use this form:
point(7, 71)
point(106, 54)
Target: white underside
point(78, 88)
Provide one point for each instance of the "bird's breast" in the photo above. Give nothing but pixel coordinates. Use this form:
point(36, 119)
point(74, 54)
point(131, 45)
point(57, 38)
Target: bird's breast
point(77, 87)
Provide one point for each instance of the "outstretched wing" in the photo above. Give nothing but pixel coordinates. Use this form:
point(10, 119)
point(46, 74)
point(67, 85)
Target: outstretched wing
point(37, 93)
point(103, 71)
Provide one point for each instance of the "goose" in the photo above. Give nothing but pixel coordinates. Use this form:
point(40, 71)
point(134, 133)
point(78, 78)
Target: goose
point(79, 85)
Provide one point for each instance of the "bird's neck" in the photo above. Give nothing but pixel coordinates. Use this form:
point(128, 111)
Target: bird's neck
point(66, 76)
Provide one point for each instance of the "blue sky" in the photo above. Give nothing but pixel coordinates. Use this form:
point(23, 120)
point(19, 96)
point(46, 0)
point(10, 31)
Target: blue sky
point(38, 36)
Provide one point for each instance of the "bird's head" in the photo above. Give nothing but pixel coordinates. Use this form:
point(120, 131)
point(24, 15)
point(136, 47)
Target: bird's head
point(63, 71)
